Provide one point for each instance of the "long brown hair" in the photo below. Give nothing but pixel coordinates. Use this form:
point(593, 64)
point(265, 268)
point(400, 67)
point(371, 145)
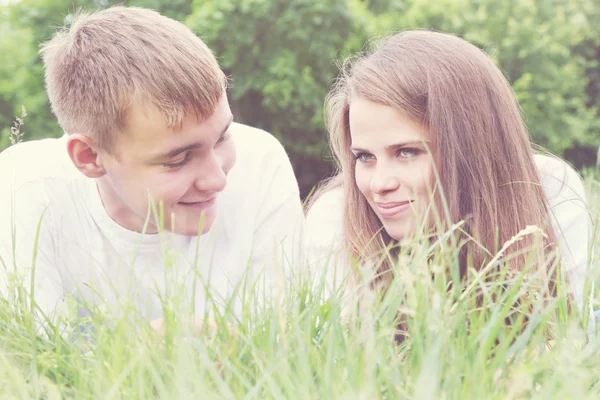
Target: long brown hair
point(479, 144)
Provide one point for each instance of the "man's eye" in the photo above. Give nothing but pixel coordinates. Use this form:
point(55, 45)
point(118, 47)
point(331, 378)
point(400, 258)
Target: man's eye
point(223, 138)
point(363, 157)
point(407, 152)
point(179, 163)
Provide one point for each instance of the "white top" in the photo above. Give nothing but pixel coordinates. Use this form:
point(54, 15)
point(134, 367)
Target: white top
point(568, 208)
point(84, 253)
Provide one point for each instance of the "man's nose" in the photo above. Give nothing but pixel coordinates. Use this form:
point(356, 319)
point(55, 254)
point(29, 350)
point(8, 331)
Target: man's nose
point(212, 177)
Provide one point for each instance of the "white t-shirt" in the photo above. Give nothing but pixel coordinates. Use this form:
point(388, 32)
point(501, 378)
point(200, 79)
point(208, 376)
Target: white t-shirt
point(84, 253)
point(568, 208)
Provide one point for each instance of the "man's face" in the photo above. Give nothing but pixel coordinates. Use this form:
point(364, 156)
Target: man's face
point(184, 168)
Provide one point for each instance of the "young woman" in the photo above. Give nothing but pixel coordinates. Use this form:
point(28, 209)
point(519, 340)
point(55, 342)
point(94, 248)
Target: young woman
point(427, 133)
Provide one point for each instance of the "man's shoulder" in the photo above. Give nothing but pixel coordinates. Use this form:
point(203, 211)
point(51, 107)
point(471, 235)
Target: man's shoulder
point(254, 141)
point(261, 162)
point(259, 155)
point(37, 147)
point(34, 160)
point(37, 174)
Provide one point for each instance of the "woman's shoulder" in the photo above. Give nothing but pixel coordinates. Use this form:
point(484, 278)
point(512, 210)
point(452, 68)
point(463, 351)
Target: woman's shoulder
point(326, 202)
point(570, 217)
point(324, 218)
point(327, 208)
point(560, 180)
point(325, 238)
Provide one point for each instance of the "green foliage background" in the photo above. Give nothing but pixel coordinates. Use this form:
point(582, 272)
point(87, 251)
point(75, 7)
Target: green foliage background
point(282, 56)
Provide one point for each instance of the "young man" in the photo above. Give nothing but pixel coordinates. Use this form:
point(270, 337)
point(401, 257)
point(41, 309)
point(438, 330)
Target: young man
point(153, 191)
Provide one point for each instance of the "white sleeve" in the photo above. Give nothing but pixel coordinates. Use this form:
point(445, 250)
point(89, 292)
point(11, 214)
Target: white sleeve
point(20, 216)
point(571, 220)
point(326, 256)
point(279, 224)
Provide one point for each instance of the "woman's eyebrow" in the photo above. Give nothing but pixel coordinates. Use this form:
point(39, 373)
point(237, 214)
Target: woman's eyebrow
point(393, 146)
point(404, 144)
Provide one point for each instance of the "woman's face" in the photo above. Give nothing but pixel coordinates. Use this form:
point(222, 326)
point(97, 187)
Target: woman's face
point(393, 165)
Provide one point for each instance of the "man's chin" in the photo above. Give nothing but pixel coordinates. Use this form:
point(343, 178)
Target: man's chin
point(192, 225)
point(202, 227)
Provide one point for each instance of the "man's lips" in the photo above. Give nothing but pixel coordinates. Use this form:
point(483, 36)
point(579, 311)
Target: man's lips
point(390, 210)
point(202, 205)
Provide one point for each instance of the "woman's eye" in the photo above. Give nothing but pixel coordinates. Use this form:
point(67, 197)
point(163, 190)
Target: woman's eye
point(407, 152)
point(179, 163)
point(363, 157)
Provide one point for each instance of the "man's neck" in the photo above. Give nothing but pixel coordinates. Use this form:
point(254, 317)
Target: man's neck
point(118, 211)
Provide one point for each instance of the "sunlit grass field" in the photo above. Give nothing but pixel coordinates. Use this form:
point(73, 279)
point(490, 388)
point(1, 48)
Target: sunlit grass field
point(305, 343)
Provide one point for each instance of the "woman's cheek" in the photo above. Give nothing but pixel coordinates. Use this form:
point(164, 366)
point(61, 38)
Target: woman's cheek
point(363, 180)
point(422, 177)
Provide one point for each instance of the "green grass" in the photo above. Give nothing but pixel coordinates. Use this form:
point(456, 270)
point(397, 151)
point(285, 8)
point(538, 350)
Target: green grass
point(305, 344)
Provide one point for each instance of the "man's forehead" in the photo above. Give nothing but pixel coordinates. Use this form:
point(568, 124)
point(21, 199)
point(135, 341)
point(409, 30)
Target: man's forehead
point(203, 138)
point(141, 113)
point(148, 132)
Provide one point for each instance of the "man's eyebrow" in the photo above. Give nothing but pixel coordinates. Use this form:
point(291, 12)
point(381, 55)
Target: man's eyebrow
point(181, 149)
point(178, 150)
point(393, 146)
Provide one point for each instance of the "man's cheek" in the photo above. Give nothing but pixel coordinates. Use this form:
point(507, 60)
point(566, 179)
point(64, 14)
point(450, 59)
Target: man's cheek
point(230, 159)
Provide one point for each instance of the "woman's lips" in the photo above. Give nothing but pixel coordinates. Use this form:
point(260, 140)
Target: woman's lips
point(390, 210)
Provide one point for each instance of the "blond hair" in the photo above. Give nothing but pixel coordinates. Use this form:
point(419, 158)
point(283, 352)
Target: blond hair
point(479, 144)
point(109, 60)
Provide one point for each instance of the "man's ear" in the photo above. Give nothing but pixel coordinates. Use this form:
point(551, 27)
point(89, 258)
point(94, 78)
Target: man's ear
point(84, 154)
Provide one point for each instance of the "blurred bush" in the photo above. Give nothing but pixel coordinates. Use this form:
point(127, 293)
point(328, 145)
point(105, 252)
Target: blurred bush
point(282, 56)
